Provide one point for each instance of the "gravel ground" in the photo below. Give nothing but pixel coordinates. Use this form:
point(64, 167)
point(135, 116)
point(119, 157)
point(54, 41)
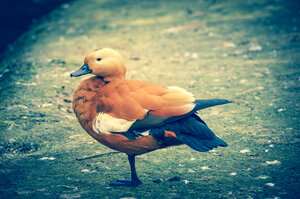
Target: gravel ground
point(246, 51)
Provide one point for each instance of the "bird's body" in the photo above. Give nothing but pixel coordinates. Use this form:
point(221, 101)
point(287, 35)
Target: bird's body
point(136, 117)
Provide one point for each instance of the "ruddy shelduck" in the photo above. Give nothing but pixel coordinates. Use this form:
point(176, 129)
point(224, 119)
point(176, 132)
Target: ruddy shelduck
point(136, 117)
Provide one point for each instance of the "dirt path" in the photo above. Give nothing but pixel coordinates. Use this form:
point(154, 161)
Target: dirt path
point(247, 52)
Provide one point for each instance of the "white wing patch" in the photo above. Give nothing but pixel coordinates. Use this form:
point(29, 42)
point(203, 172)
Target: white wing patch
point(104, 123)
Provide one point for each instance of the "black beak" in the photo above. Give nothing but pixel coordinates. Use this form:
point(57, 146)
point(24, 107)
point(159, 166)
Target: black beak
point(82, 71)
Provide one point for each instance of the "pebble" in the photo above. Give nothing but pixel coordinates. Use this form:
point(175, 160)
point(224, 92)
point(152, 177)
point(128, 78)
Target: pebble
point(17, 106)
point(263, 177)
point(270, 184)
point(245, 151)
point(194, 56)
point(210, 34)
point(88, 171)
point(228, 44)
point(255, 47)
point(243, 81)
point(187, 54)
point(205, 168)
point(185, 181)
point(47, 158)
point(69, 196)
point(23, 192)
point(85, 170)
point(12, 140)
point(273, 162)
point(68, 187)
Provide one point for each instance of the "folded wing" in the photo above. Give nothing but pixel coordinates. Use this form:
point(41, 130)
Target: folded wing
point(137, 101)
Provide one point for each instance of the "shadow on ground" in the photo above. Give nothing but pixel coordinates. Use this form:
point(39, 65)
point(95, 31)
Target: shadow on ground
point(16, 16)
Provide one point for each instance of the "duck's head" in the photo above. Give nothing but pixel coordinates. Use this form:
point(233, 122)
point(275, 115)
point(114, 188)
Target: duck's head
point(105, 62)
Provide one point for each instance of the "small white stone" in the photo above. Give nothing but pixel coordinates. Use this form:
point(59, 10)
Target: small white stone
point(229, 44)
point(191, 171)
point(195, 56)
point(263, 177)
point(245, 151)
point(85, 171)
point(233, 173)
point(270, 184)
point(192, 158)
point(185, 181)
point(255, 48)
point(47, 158)
point(210, 34)
point(205, 168)
point(46, 105)
point(11, 140)
point(243, 81)
point(273, 162)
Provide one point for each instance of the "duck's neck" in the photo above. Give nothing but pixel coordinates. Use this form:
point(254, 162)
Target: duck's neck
point(114, 78)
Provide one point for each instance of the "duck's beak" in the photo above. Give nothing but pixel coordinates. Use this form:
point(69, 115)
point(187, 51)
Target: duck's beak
point(82, 71)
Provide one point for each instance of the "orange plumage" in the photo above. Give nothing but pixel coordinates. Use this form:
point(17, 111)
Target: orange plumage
point(136, 117)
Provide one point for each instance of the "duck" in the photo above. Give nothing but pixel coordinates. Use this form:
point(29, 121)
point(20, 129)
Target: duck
point(136, 117)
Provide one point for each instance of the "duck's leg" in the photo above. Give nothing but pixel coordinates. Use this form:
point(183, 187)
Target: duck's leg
point(134, 178)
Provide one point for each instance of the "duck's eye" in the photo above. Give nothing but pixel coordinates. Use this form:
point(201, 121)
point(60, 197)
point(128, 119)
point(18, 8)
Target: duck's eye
point(98, 59)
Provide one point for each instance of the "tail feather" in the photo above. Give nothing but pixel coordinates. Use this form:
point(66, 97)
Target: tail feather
point(191, 131)
point(198, 136)
point(200, 144)
point(203, 141)
point(202, 104)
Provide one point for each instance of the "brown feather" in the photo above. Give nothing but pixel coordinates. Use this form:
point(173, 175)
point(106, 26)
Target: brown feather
point(129, 100)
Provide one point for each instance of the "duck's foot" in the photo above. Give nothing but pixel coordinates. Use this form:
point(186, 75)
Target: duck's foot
point(129, 183)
